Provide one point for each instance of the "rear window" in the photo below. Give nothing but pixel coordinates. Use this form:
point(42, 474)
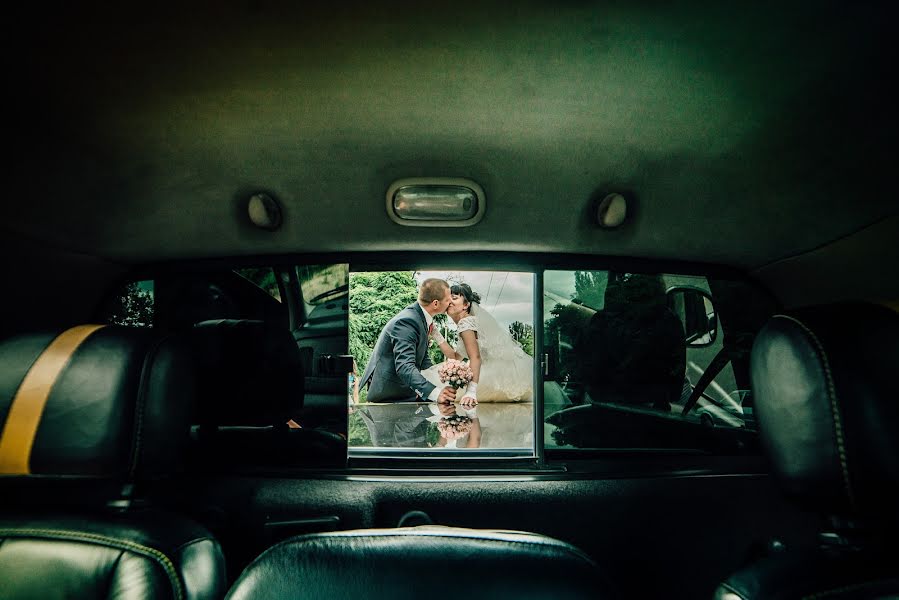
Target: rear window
point(568, 360)
point(625, 368)
point(132, 305)
point(487, 337)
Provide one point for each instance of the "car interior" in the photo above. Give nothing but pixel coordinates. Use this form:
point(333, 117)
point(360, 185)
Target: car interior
point(678, 215)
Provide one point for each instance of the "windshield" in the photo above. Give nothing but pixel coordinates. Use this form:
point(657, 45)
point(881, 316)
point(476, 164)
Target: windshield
point(321, 283)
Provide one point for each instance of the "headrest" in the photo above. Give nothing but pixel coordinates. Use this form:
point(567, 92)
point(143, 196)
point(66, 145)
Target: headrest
point(249, 373)
point(827, 403)
point(93, 401)
point(418, 562)
point(633, 355)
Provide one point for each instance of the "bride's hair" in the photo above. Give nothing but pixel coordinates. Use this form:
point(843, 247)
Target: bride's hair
point(464, 290)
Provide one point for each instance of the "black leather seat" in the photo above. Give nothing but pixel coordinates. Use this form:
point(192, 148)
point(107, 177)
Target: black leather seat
point(251, 383)
point(825, 386)
point(90, 415)
point(421, 562)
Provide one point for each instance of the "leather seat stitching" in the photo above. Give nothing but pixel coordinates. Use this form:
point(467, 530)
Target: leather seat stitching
point(77, 536)
point(834, 405)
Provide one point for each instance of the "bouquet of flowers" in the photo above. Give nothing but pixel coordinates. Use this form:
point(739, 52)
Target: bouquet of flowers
point(455, 373)
point(454, 426)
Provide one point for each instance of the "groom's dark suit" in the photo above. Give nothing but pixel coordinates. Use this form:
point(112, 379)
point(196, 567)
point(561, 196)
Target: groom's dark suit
point(393, 373)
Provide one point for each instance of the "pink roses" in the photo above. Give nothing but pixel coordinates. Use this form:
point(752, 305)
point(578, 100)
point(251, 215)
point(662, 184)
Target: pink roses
point(454, 426)
point(455, 373)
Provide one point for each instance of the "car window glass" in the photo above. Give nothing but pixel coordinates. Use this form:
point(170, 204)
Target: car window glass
point(289, 374)
point(485, 336)
point(321, 335)
point(321, 283)
point(264, 277)
point(132, 305)
point(619, 374)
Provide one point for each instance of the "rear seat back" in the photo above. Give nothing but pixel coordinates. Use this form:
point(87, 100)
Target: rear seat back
point(251, 384)
point(421, 562)
point(89, 415)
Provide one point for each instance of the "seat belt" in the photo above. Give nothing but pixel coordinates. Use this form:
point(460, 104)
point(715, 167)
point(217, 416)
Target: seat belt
point(721, 359)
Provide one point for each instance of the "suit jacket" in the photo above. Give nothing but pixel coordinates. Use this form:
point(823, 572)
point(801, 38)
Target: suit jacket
point(393, 373)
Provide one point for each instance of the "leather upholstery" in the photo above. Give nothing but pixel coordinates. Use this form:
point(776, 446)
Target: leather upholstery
point(114, 407)
point(136, 555)
point(816, 574)
point(826, 394)
point(251, 382)
point(421, 562)
point(116, 415)
point(826, 402)
point(251, 373)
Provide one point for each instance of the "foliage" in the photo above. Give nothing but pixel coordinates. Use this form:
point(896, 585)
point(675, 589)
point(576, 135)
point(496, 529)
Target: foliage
point(359, 435)
point(357, 431)
point(374, 299)
point(590, 288)
point(263, 277)
point(132, 307)
point(524, 335)
point(441, 322)
point(563, 330)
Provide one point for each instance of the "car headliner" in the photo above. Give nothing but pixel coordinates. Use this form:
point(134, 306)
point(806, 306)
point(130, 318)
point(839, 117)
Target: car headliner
point(742, 135)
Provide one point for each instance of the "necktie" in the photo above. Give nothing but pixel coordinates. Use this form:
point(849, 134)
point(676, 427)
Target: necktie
point(430, 328)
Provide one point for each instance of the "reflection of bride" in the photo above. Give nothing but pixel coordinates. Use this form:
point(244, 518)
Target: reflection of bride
point(496, 425)
point(503, 372)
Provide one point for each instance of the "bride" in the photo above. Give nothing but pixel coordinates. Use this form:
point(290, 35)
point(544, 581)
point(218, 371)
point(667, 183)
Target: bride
point(503, 372)
point(490, 425)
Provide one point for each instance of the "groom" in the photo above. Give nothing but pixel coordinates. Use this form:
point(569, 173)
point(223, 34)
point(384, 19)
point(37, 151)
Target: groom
point(393, 373)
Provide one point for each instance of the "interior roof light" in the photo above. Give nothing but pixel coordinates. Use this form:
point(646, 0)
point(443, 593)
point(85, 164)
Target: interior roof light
point(435, 202)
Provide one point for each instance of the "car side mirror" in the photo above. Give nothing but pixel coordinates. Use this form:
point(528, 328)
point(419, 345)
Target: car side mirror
point(696, 311)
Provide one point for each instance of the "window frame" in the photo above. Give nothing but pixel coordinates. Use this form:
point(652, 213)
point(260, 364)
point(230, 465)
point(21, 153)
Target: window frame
point(549, 462)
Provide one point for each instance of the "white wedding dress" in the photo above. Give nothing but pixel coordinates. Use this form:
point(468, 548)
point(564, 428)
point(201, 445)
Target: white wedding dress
point(503, 425)
point(507, 372)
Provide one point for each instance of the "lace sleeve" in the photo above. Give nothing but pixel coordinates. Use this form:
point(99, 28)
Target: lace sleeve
point(468, 324)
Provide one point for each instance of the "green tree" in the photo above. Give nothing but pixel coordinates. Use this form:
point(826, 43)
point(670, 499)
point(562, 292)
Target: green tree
point(441, 322)
point(562, 331)
point(524, 335)
point(357, 431)
point(590, 288)
point(374, 299)
point(132, 307)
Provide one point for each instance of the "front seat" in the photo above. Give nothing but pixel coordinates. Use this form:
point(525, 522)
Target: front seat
point(421, 562)
point(631, 358)
point(90, 416)
point(826, 397)
point(250, 385)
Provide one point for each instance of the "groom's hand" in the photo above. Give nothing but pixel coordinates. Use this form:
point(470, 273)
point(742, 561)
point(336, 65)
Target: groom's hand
point(447, 394)
point(446, 410)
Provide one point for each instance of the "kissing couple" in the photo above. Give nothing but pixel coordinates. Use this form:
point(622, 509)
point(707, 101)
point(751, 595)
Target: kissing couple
point(400, 369)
